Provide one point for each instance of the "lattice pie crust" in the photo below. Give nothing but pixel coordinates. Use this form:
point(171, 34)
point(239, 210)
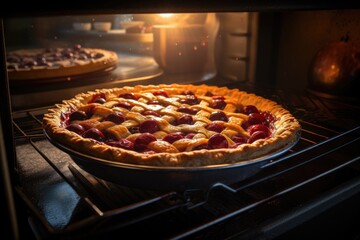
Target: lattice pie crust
point(195, 147)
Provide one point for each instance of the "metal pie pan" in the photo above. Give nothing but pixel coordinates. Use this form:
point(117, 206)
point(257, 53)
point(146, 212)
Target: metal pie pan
point(170, 178)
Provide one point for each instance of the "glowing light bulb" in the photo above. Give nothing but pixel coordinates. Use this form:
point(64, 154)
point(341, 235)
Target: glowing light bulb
point(166, 15)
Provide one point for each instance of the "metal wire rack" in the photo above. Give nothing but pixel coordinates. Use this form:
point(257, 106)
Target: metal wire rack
point(67, 202)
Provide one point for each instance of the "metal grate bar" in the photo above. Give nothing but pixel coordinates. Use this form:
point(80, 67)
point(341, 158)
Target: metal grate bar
point(255, 204)
point(91, 192)
point(299, 154)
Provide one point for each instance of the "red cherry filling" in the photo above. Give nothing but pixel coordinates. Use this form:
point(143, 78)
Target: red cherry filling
point(217, 104)
point(95, 134)
point(256, 136)
point(90, 111)
point(190, 135)
point(256, 118)
point(115, 117)
point(161, 92)
point(239, 139)
point(77, 128)
point(141, 142)
point(217, 141)
point(153, 113)
point(258, 127)
point(257, 124)
point(190, 100)
point(172, 137)
point(218, 97)
point(122, 143)
point(99, 98)
point(268, 116)
point(128, 96)
point(221, 116)
point(216, 127)
point(209, 94)
point(187, 110)
point(250, 109)
point(125, 105)
point(149, 126)
point(78, 115)
point(185, 119)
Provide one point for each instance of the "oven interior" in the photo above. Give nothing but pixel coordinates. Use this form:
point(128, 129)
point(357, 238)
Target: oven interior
point(319, 174)
point(311, 191)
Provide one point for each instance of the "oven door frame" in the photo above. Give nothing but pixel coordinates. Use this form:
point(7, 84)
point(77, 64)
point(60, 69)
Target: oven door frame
point(7, 151)
point(14, 212)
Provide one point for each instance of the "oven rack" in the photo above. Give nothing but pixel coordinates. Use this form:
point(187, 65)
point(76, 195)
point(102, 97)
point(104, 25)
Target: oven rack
point(93, 207)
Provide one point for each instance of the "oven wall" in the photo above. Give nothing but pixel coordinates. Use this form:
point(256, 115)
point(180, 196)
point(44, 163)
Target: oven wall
point(287, 42)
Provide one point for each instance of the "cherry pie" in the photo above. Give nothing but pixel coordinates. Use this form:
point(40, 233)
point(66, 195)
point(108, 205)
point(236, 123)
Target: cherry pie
point(30, 64)
point(171, 125)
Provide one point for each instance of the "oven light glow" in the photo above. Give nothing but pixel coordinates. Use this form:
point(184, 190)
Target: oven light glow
point(166, 18)
point(172, 18)
point(166, 15)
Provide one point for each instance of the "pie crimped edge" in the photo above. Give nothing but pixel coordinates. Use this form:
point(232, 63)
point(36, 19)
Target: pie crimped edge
point(286, 129)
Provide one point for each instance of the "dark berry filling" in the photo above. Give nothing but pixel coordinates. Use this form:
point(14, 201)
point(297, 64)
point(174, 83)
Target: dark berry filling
point(98, 98)
point(172, 137)
point(48, 57)
point(185, 119)
point(190, 100)
point(256, 118)
point(122, 143)
point(221, 116)
point(217, 141)
point(149, 126)
point(78, 115)
point(141, 142)
point(256, 136)
point(250, 109)
point(128, 96)
point(161, 92)
point(217, 104)
point(125, 105)
point(239, 139)
point(153, 113)
point(187, 110)
point(115, 117)
point(77, 128)
point(95, 134)
point(216, 127)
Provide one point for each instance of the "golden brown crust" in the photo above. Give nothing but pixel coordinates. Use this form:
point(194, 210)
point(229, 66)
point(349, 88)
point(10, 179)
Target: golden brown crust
point(286, 129)
point(64, 68)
